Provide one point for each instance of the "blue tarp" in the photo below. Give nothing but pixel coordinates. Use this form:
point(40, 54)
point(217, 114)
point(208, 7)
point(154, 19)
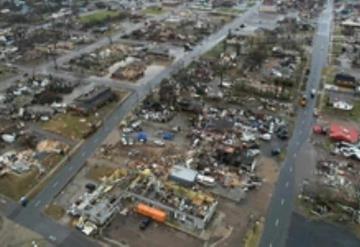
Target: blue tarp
point(168, 136)
point(142, 136)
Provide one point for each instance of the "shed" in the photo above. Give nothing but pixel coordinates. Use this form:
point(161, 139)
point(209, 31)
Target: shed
point(182, 175)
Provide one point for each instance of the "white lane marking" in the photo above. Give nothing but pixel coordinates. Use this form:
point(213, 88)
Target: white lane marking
point(270, 245)
point(82, 154)
point(294, 155)
point(70, 168)
point(55, 184)
point(287, 184)
point(37, 203)
point(277, 222)
point(290, 169)
point(282, 201)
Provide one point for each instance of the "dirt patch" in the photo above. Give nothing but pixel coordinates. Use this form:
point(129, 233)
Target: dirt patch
point(16, 186)
point(254, 206)
point(97, 172)
point(54, 211)
point(126, 229)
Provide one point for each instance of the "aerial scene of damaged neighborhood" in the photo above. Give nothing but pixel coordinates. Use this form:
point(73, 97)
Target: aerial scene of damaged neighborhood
point(180, 123)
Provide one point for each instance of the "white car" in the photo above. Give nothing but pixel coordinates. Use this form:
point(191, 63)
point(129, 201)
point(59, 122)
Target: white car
point(265, 137)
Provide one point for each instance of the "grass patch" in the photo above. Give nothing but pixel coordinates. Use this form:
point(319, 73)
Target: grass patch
point(215, 52)
point(97, 172)
point(253, 236)
point(328, 74)
point(16, 186)
point(336, 49)
point(74, 126)
point(354, 114)
point(6, 72)
point(153, 11)
point(230, 10)
point(51, 160)
point(69, 125)
point(99, 17)
point(338, 30)
point(54, 211)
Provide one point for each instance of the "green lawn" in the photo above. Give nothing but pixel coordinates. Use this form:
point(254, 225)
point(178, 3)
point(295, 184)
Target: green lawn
point(74, 126)
point(215, 51)
point(252, 238)
point(98, 17)
point(153, 11)
point(328, 74)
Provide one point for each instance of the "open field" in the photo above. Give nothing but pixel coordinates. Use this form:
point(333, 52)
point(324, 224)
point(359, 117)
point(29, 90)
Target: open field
point(16, 186)
point(76, 127)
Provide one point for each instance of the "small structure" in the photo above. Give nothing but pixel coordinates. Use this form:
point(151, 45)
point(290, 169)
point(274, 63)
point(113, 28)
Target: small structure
point(345, 80)
point(93, 100)
point(183, 175)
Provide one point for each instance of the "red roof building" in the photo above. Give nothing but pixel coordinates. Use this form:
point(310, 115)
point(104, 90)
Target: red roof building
point(339, 133)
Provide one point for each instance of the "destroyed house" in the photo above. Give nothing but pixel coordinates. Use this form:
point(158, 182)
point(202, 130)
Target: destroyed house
point(229, 155)
point(159, 52)
point(99, 213)
point(191, 106)
point(345, 80)
point(92, 100)
point(219, 125)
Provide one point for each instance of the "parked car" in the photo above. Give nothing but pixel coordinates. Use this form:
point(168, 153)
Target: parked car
point(275, 152)
point(313, 93)
point(145, 224)
point(24, 201)
point(90, 187)
point(265, 137)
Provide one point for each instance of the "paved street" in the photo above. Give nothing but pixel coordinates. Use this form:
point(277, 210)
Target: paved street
point(282, 202)
point(31, 215)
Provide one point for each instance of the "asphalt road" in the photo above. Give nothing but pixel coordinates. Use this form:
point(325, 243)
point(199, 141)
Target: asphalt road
point(31, 215)
point(282, 202)
point(304, 232)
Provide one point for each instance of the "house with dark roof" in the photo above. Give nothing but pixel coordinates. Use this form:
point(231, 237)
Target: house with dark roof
point(345, 80)
point(91, 101)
